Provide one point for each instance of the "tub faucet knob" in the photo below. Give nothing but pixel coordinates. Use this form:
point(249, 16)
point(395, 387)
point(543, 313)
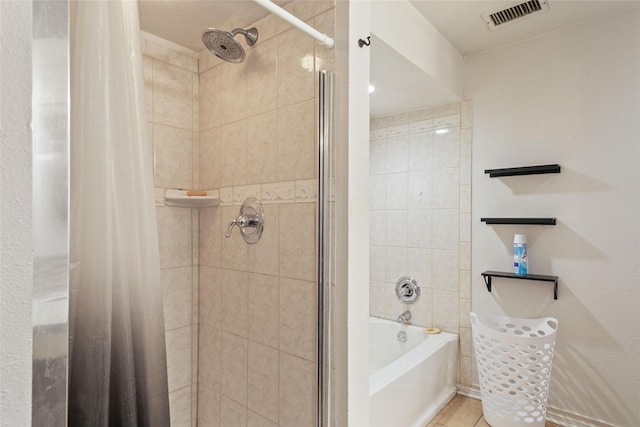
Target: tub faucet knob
point(404, 317)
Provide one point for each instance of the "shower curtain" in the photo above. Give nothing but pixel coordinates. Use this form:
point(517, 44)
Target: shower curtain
point(117, 360)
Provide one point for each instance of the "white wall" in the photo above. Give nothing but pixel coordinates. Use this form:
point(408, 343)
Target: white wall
point(16, 279)
point(570, 97)
point(404, 29)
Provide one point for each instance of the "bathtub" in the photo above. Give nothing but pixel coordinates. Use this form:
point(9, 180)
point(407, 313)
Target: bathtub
point(409, 383)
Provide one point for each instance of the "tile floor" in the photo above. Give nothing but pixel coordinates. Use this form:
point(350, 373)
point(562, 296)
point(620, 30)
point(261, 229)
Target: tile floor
point(463, 411)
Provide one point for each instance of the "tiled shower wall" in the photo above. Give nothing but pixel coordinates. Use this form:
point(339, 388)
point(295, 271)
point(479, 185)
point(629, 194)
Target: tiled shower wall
point(171, 87)
point(420, 218)
point(257, 303)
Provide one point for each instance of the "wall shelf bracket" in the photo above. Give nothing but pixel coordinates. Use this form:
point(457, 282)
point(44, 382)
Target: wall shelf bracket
point(487, 275)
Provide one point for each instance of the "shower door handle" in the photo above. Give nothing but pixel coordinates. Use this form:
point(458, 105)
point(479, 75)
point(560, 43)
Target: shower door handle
point(250, 221)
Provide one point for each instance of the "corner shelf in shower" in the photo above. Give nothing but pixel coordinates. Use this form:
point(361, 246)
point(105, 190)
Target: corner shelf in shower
point(519, 221)
point(523, 170)
point(192, 198)
point(487, 275)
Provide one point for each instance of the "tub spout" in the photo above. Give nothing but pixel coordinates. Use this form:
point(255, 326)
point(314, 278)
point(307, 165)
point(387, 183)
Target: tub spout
point(404, 317)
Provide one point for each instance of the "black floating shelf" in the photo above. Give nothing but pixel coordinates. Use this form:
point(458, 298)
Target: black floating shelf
point(523, 170)
point(487, 275)
point(519, 221)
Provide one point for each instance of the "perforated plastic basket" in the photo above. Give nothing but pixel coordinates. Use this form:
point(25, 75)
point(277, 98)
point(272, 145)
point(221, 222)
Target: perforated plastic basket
point(514, 367)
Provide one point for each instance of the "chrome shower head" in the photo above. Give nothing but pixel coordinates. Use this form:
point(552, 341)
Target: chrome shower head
point(222, 44)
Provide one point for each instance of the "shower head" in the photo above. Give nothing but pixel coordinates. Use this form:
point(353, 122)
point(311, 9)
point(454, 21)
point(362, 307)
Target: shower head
point(222, 44)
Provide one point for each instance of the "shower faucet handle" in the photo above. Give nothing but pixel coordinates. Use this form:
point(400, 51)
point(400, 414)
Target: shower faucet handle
point(250, 221)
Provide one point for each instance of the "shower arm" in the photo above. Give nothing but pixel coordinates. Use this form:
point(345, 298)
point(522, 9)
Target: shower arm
point(277, 10)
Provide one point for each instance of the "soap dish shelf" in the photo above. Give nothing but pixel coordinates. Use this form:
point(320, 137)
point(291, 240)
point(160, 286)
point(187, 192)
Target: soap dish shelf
point(487, 275)
point(192, 198)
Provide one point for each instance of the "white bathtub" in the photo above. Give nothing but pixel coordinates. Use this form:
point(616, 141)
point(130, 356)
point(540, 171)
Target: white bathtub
point(409, 383)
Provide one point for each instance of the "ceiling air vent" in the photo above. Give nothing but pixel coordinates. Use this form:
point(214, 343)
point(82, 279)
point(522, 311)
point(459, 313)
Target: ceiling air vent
point(500, 18)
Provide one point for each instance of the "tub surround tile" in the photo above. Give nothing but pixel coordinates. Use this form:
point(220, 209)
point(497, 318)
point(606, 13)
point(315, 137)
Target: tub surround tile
point(262, 78)
point(180, 407)
point(210, 298)
point(210, 367)
point(208, 406)
point(263, 381)
point(278, 192)
point(296, 241)
point(233, 92)
point(177, 297)
point(377, 191)
point(263, 309)
point(297, 319)
point(173, 157)
point(234, 368)
point(210, 107)
point(295, 68)
point(397, 190)
point(262, 152)
point(433, 187)
point(255, 420)
point(235, 251)
point(296, 404)
point(172, 96)
point(235, 293)
point(296, 142)
point(232, 414)
point(208, 159)
point(210, 237)
point(178, 343)
point(377, 261)
point(174, 236)
point(397, 152)
point(263, 256)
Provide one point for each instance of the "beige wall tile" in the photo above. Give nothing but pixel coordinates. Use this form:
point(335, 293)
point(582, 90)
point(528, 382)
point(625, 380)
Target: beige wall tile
point(445, 269)
point(210, 107)
point(208, 406)
point(297, 318)
point(165, 54)
point(262, 148)
point(235, 251)
point(210, 350)
point(209, 163)
point(232, 414)
point(263, 381)
point(233, 92)
point(234, 368)
point(210, 237)
point(446, 310)
point(255, 420)
point(173, 157)
point(235, 292)
point(178, 343)
point(174, 235)
point(232, 151)
point(296, 142)
point(263, 256)
point(177, 297)
point(180, 407)
point(210, 296)
point(263, 309)
point(295, 68)
point(296, 241)
point(262, 78)
point(172, 96)
point(297, 391)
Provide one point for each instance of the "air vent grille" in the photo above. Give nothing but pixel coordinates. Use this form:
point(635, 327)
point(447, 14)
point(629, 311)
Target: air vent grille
point(497, 19)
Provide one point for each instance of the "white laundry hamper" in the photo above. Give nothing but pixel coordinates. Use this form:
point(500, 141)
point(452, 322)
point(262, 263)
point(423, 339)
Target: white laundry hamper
point(514, 358)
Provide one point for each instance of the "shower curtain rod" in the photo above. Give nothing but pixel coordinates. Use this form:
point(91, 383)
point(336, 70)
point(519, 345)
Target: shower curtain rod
point(277, 10)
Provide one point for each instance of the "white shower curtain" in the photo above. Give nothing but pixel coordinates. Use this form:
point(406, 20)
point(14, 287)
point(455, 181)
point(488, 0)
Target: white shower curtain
point(117, 366)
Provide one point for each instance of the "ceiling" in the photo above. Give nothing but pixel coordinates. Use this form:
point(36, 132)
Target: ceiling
point(460, 21)
point(183, 21)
